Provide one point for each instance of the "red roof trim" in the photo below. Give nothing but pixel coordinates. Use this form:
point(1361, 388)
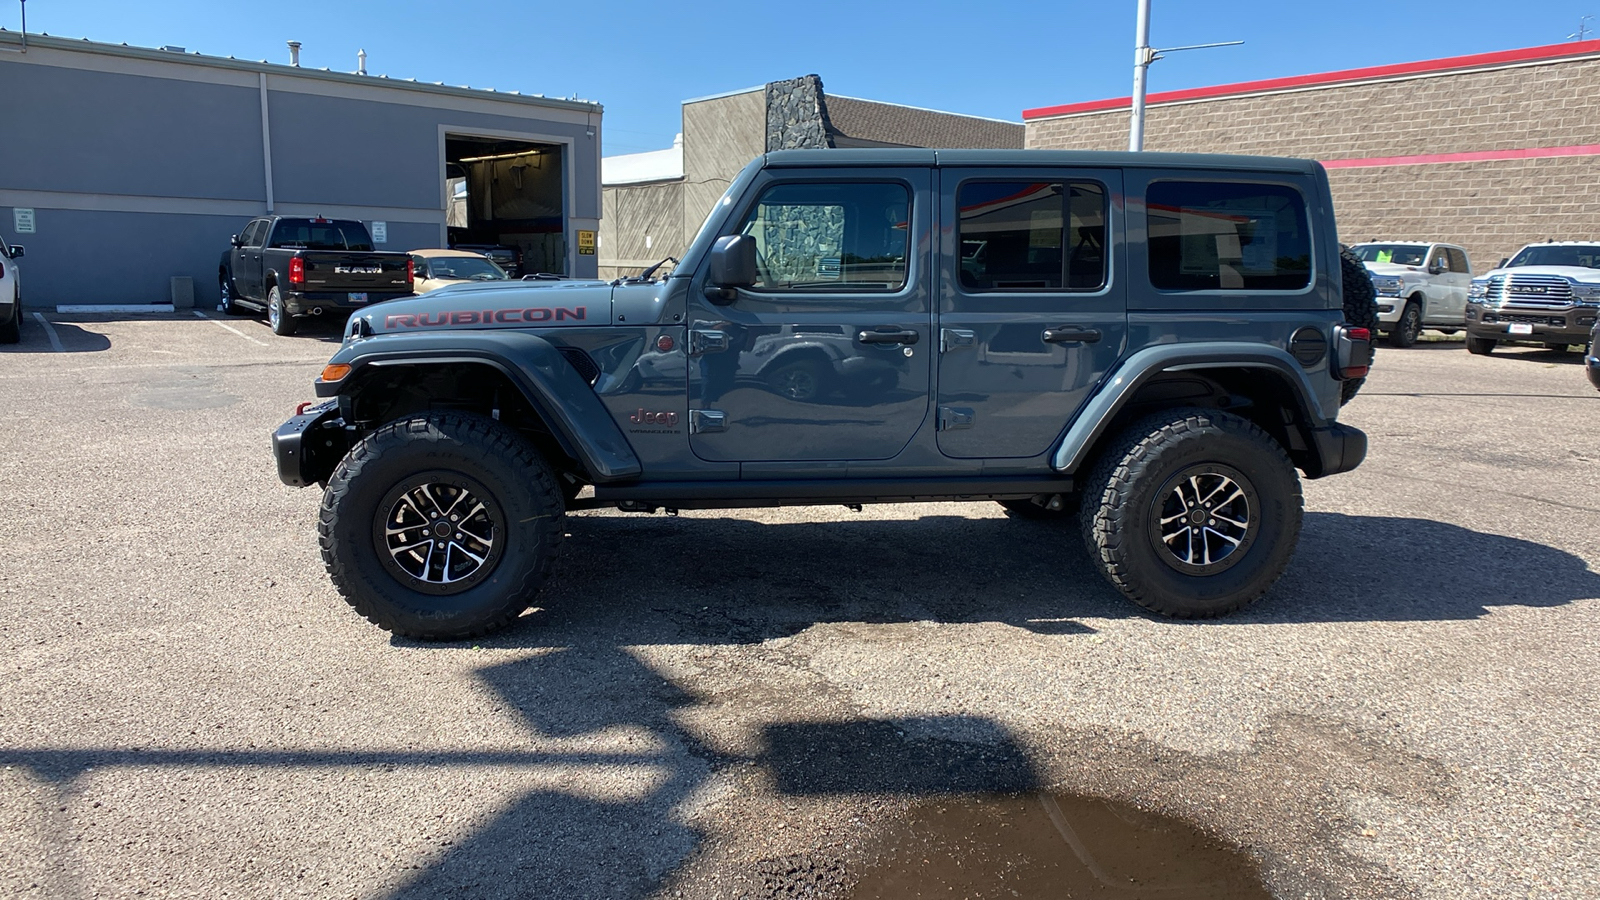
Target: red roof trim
point(1469, 156)
point(1324, 79)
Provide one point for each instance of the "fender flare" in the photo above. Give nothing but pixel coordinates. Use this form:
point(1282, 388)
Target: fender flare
point(1089, 424)
point(568, 405)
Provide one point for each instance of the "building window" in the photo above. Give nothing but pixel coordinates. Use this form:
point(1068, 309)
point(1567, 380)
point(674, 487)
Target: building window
point(1227, 236)
point(1032, 236)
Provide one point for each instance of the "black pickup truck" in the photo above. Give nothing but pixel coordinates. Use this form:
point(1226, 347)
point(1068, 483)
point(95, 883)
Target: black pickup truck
point(295, 267)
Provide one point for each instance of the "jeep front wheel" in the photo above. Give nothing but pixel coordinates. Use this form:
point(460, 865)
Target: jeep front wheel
point(441, 526)
point(1192, 513)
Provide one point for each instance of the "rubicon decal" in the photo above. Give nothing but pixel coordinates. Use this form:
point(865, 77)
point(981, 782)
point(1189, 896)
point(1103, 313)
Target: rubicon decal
point(487, 317)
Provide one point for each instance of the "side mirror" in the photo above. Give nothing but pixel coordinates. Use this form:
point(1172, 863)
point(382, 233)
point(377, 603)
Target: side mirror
point(1436, 268)
point(236, 242)
point(16, 251)
point(733, 265)
point(1503, 261)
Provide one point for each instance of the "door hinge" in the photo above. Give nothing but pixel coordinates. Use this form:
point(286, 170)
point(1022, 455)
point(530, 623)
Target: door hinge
point(703, 341)
point(954, 417)
point(704, 421)
point(956, 338)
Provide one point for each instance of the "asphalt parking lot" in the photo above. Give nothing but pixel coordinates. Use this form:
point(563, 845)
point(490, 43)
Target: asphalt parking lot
point(756, 703)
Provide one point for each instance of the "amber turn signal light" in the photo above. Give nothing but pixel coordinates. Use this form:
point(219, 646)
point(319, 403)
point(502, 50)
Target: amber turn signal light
point(334, 372)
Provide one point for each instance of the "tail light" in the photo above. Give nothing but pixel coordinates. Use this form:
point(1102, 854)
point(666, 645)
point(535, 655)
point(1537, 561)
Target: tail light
point(411, 269)
point(297, 270)
point(1353, 352)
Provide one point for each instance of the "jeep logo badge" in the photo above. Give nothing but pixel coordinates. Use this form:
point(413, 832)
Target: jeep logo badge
point(646, 417)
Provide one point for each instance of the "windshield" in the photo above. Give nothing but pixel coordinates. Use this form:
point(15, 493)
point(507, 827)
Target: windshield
point(310, 234)
point(1399, 254)
point(1582, 255)
point(465, 268)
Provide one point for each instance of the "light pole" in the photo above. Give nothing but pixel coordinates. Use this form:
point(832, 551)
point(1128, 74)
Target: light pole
point(1143, 56)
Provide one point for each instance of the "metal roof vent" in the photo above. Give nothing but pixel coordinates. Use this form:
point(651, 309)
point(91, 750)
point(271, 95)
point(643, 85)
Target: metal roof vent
point(294, 53)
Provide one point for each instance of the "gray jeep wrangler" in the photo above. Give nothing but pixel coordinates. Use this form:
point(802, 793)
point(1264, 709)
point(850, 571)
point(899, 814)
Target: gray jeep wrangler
point(1148, 344)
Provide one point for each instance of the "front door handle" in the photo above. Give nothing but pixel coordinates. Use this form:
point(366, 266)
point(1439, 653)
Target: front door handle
point(888, 336)
point(1071, 334)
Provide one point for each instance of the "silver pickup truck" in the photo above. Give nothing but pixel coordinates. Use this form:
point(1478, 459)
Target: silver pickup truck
point(1419, 285)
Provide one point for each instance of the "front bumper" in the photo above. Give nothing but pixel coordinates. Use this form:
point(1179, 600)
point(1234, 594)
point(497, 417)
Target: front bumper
point(1570, 326)
point(303, 303)
point(1390, 306)
point(310, 445)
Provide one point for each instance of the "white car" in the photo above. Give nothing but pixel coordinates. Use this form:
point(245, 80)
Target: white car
point(1420, 284)
point(10, 293)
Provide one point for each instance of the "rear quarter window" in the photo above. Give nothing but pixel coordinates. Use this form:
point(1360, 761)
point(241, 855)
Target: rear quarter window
point(1207, 235)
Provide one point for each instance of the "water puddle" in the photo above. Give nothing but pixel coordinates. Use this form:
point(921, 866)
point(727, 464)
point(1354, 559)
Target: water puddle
point(1038, 845)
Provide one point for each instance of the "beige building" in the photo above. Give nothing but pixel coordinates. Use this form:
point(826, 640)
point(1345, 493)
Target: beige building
point(1488, 151)
point(653, 203)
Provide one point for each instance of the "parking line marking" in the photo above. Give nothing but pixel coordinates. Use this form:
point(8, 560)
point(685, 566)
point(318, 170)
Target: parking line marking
point(229, 327)
point(50, 332)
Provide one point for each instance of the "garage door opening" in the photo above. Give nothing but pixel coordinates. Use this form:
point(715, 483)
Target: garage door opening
point(507, 200)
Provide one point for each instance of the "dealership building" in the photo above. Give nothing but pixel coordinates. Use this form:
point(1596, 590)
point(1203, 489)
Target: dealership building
point(124, 170)
point(1489, 151)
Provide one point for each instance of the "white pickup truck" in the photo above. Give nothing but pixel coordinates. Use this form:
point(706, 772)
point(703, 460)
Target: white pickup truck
point(1419, 285)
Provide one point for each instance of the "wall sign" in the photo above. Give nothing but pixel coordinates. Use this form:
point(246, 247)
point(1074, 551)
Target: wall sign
point(22, 220)
point(585, 243)
point(380, 232)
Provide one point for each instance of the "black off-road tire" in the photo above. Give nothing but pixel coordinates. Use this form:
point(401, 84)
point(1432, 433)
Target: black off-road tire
point(1148, 465)
point(1360, 309)
point(11, 330)
point(278, 316)
point(1478, 346)
point(1030, 509)
point(475, 454)
point(1406, 331)
point(230, 296)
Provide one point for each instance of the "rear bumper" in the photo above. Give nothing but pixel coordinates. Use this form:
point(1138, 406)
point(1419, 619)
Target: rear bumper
point(301, 303)
point(1340, 448)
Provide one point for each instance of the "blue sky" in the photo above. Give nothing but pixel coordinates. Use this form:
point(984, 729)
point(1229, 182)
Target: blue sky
point(992, 58)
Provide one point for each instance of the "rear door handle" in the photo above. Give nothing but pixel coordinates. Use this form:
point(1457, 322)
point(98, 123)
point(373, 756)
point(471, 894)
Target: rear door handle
point(1071, 334)
point(888, 336)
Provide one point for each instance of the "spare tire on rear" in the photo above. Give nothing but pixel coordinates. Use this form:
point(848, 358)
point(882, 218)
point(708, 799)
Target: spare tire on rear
point(1360, 309)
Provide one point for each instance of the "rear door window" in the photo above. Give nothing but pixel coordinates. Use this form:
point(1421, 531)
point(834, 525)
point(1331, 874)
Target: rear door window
point(1032, 236)
point(1227, 236)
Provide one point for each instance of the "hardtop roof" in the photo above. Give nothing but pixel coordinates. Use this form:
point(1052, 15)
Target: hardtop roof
point(837, 158)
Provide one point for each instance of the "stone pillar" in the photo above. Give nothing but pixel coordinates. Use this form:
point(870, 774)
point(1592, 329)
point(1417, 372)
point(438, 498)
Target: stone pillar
point(797, 116)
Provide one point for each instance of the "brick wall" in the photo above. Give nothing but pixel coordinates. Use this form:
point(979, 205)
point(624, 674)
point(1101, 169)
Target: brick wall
point(1491, 207)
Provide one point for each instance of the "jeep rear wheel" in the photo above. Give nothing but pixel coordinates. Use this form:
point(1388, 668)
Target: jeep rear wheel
point(441, 526)
point(1192, 513)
